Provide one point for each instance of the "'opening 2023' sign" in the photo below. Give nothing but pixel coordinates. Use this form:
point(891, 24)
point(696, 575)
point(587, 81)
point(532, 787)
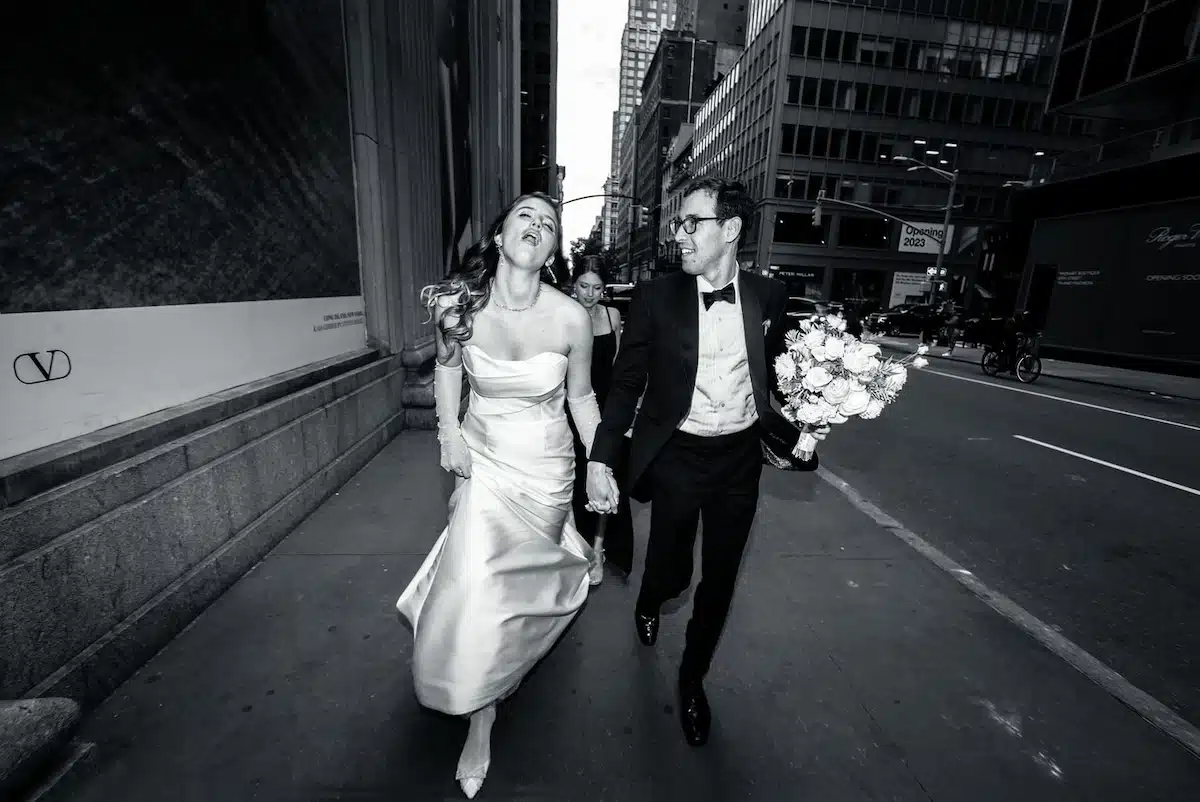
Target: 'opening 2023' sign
point(923, 238)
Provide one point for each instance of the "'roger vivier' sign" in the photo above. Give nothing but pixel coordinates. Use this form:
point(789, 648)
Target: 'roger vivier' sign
point(1166, 237)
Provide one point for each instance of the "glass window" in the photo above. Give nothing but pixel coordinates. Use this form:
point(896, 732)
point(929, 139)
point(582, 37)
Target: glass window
point(787, 145)
point(799, 38)
point(833, 45)
point(809, 95)
point(804, 135)
point(820, 142)
point(854, 139)
point(864, 232)
point(827, 92)
point(793, 228)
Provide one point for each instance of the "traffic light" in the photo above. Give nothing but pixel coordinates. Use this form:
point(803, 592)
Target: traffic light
point(816, 216)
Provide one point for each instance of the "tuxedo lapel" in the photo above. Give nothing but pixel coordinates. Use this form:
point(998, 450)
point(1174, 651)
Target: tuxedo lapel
point(752, 322)
point(688, 315)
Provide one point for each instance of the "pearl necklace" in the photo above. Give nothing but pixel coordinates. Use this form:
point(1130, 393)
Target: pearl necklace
point(536, 293)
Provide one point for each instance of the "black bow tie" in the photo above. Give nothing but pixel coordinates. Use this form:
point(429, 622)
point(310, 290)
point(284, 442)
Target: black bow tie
point(726, 293)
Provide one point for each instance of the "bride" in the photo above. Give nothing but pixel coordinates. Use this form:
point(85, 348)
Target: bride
point(510, 571)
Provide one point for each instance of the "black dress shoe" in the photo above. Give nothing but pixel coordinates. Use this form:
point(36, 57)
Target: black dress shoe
point(646, 627)
point(694, 713)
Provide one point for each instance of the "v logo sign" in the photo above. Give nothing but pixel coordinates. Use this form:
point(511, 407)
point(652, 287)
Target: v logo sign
point(31, 368)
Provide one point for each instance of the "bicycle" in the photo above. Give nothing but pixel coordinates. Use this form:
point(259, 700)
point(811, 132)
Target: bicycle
point(1027, 366)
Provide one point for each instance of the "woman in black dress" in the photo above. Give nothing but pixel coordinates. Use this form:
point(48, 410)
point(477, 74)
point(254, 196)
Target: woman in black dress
point(616, 544)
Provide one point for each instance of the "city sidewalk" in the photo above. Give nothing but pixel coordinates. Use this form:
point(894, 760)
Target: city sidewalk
point(1122, 378)
point(851, 669)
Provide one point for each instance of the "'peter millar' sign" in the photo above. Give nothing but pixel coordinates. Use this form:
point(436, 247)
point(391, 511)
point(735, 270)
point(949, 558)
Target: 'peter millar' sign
point(923, 238)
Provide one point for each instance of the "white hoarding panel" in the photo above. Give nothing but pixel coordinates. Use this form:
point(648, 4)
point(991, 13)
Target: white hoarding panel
point(64, 374)
point(906, 284)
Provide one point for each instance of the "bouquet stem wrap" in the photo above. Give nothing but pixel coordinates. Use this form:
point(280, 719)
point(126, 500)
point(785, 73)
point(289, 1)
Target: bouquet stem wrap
point(806, 446)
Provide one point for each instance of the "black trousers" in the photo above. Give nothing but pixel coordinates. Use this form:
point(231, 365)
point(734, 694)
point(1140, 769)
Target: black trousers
point(714, 479)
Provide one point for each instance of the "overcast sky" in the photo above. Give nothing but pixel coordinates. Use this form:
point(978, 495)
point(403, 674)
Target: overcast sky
point(589, 55)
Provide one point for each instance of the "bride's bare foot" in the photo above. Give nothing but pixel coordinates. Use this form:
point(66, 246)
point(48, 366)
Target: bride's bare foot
point(476, 754)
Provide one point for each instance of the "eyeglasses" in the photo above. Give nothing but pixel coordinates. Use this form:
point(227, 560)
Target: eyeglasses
point(688, 224)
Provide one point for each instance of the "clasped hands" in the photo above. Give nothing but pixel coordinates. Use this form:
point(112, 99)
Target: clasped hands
point(602, 491)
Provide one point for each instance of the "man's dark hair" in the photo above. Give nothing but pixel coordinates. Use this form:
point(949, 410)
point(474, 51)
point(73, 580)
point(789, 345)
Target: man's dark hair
point(731, 198)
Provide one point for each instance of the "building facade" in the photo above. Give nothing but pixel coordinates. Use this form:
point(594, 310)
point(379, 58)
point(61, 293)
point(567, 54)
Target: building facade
point(828, 95)
point(539, 102)
point(646, 20)
point(713, 20)
point(1109, 243)
point(677, 79)
point(676, 173)
point(629, 210)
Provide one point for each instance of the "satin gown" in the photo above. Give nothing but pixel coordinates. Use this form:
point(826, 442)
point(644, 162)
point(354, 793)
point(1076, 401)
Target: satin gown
point(510, 570)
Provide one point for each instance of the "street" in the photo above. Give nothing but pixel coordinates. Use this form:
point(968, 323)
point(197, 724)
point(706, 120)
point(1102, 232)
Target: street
point(993, 473)
point(852, 667)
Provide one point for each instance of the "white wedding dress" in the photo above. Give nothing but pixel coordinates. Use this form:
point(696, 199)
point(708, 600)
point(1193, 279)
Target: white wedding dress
point(510, 571)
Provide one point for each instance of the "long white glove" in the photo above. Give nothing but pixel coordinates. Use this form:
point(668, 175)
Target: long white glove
point(447, 397)
point(586, 414)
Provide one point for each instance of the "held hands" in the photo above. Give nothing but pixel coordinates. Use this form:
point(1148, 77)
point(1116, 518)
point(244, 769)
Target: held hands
point(602, 491)
point(455, 457)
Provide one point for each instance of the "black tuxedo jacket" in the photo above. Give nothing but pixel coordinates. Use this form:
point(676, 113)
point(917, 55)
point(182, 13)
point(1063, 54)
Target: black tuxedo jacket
point(658, 354)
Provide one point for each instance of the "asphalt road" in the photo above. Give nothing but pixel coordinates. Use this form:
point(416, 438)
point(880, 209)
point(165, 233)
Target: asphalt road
point(1110, 558)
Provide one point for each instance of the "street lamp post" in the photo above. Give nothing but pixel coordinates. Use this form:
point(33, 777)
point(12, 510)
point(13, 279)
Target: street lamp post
point(952, 177)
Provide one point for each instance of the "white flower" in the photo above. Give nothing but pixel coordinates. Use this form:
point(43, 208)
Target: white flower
point(818, 353)
point(856, 360)
point(834, 348)
point(836, 391)
point(855, 403)
point(816, 378)
point(922, 349)
point(785, 367)
point(812, 414)
point(920, 362)
point(813, 338)
point(896, 378)
point(838, 322)
point(793, 338)
point(870, 349)
point(873, 409)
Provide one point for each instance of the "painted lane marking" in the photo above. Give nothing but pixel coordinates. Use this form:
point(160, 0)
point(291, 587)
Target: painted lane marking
point(1063, 400)
point(1145, 705)
point(1112, 465)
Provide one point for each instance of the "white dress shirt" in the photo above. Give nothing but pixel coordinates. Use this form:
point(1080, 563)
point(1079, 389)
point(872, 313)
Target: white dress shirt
point(723, 401)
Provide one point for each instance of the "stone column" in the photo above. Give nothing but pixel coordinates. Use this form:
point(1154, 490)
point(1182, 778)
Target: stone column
point(394, 112)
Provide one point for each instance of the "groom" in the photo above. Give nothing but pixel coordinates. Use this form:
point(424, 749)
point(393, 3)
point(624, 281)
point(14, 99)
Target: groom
point(700, 343)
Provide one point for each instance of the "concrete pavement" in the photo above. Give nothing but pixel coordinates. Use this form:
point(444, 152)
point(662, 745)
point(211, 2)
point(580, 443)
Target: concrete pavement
point(1144, 381)
point(852, 669)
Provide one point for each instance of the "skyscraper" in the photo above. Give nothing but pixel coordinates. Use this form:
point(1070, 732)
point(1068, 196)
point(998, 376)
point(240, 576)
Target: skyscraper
point(539, 67)
point(646, 21)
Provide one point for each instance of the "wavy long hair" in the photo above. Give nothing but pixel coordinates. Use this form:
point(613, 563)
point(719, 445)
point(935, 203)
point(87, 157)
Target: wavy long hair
point(469, 286)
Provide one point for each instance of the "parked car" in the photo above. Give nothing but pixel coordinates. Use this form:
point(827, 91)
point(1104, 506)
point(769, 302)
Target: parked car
point(801, 308)
point(618, 297)
point(902, 319)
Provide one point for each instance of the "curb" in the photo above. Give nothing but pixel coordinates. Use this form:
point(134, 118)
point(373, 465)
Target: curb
point(1095, 382)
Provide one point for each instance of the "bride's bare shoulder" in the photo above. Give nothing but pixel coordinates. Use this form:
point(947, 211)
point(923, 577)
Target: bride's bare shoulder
point(565, 307)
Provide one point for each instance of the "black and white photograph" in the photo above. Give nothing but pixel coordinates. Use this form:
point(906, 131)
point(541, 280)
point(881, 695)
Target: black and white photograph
point(600, 401)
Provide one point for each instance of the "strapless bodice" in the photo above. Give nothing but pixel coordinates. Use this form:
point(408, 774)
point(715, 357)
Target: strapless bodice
point(517, 390)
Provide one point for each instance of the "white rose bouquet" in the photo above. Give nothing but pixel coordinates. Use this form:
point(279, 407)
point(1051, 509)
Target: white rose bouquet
point(829, 376)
